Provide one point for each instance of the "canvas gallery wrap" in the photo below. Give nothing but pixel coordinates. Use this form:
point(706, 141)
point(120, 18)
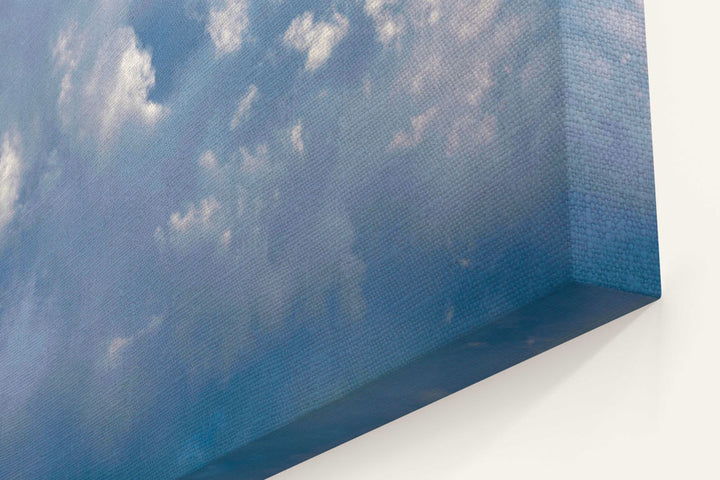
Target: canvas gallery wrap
point(237, 233)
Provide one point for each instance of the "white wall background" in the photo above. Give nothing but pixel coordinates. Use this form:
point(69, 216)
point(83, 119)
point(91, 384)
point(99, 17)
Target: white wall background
point(638, 398)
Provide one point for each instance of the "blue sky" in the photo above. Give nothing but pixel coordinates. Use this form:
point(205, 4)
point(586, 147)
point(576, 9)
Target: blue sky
point(217, 215)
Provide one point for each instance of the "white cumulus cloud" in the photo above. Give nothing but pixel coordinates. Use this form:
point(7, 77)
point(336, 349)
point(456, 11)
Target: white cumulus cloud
point(128, 85)
point(114, 91)
point(203, 223)
point(387, 25)
point(208, 160)
point(196, 217)
point(227, 26)
point(317, 39)
point(452, 92)
point(254, 162)
point(419, 124)
point(470, 17)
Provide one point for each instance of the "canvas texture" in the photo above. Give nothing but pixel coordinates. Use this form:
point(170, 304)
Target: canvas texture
point(219, 216)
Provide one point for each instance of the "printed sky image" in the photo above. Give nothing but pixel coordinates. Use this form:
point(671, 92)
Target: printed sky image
point(217, 215)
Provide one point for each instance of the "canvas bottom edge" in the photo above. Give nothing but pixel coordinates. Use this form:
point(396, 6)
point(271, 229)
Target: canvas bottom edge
point(570, 311)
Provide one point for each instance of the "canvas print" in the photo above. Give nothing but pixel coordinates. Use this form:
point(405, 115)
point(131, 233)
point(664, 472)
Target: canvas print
point(237, 233)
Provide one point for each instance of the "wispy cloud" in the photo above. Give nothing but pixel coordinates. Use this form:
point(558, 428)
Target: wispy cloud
point(28, 338)
point(67, 54)
point(469, 132)
point(243, 110)
point(11, 168)
point(118, 345)
point(296, 137)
